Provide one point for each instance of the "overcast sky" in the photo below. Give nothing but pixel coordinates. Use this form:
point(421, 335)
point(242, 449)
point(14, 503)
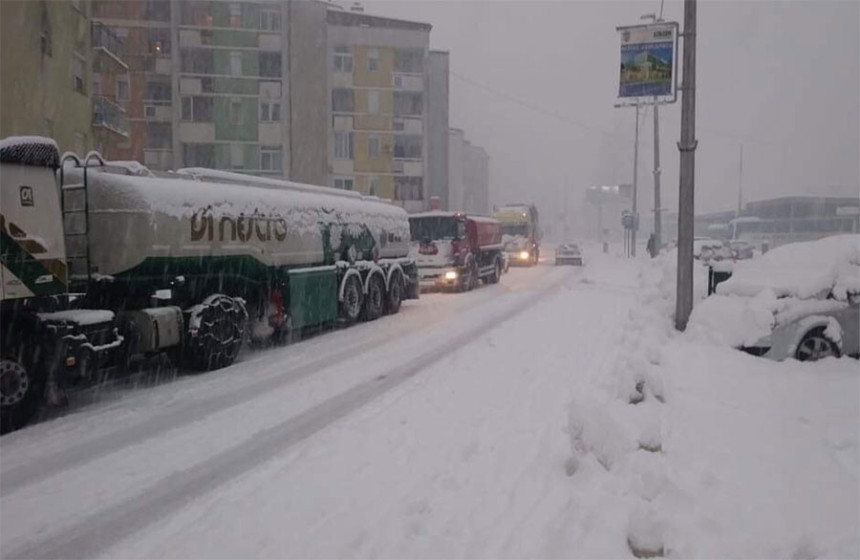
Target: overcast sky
point(783, 77)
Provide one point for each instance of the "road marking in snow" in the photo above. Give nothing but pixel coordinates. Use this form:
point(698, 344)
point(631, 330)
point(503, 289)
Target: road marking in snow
point(94, 534)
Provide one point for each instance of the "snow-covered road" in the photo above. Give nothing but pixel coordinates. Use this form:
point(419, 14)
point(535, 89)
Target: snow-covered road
point(339, 433)
point(554, 415)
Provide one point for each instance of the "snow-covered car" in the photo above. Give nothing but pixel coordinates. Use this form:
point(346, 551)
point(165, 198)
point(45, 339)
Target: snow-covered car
point(568, 253)
point(799, 301)
point(704, 245)
point(741, 250)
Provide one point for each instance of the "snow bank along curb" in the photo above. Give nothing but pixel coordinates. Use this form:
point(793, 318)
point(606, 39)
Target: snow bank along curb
point(616, 429)
point(690, 448)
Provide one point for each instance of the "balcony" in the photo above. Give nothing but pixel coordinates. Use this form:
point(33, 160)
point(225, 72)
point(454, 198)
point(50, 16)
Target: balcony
point(108, 46)
point(109, 116)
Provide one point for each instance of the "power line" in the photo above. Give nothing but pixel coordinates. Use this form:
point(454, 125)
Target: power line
point(591, 128)
point(535, 108)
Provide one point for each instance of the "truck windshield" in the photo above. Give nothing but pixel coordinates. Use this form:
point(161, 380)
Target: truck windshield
point(515, 229)
point(431, 229)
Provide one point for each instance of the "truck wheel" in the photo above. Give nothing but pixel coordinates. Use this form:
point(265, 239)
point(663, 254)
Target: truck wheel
point(374, 300)
point(19, 393)
point(395, 294)
point(497, 273)
point(470, 279)
point(353, 298)
point(220, 327)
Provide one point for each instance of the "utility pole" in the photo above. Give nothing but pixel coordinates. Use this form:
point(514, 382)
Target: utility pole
point(564, 229)
point(658, 223)
point(686, 187)
point(740, 183)
point(658, 226)
point(635, 181)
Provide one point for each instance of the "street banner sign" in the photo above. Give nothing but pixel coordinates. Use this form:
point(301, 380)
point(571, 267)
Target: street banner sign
point(648, 61)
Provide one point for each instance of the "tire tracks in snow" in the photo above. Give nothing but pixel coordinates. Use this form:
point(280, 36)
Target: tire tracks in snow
point(184, 412)
point(96, 533)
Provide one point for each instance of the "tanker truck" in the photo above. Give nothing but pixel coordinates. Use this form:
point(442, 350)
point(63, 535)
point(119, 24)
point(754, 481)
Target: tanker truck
point(454, 250)
point(520, 232)
point(106, 265)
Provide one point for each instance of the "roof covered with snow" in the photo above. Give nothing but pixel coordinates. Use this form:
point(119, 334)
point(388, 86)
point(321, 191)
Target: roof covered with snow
point(30, 150)
point(803, 270)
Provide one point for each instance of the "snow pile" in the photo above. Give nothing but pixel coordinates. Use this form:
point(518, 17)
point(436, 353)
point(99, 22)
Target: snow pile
point(79, 316)
point(803, 270)
point(692, 449)
point(131, 167)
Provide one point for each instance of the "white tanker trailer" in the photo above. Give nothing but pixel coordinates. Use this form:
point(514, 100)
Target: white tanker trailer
point(105, 264)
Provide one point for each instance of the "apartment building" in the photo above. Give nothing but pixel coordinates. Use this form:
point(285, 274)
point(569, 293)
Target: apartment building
point(468, 175)
point(46, 53)
point(231, 85)
point(378, 141)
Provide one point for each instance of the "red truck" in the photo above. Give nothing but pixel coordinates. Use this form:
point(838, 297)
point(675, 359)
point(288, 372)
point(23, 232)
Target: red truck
point(455, 250)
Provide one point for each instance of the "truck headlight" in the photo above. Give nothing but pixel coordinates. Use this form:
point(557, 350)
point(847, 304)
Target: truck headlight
point(451, 275)
point(524, 255)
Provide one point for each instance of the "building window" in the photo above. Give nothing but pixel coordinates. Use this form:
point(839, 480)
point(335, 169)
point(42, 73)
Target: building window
point(342, 59)
point(373, 186)
point(235, 15)
point(269, 20)
point(373, 59)
point(159, 136)
point(410, 61)
point(235, 64)
point(343, 145)
point(270, 65)
point(408, 103)
point(159, 91)
point(408, 188)
point(237, 156)
point(236, 113)
point(373, 101)
point(344, 183)
point(159, 41)
point(271, 158)
point(122, 89)
point(196, 13)
point(407, 146)
point(158, 10)
point(342, 101)
point(149, 111)
point(198, 155)
point(373, 149)
point(270, 112)
point(79, 70)
point(196, 61)
point(197, 109)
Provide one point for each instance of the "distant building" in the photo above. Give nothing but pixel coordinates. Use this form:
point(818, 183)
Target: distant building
point(468, 175)
point(218, 84)
point(46, 53)
point(378, 79)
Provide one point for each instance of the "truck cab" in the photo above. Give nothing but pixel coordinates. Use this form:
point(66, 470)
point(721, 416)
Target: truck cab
point(520, 233)
point(454, 250)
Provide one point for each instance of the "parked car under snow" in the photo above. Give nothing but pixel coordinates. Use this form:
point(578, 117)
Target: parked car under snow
point(798, 301)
